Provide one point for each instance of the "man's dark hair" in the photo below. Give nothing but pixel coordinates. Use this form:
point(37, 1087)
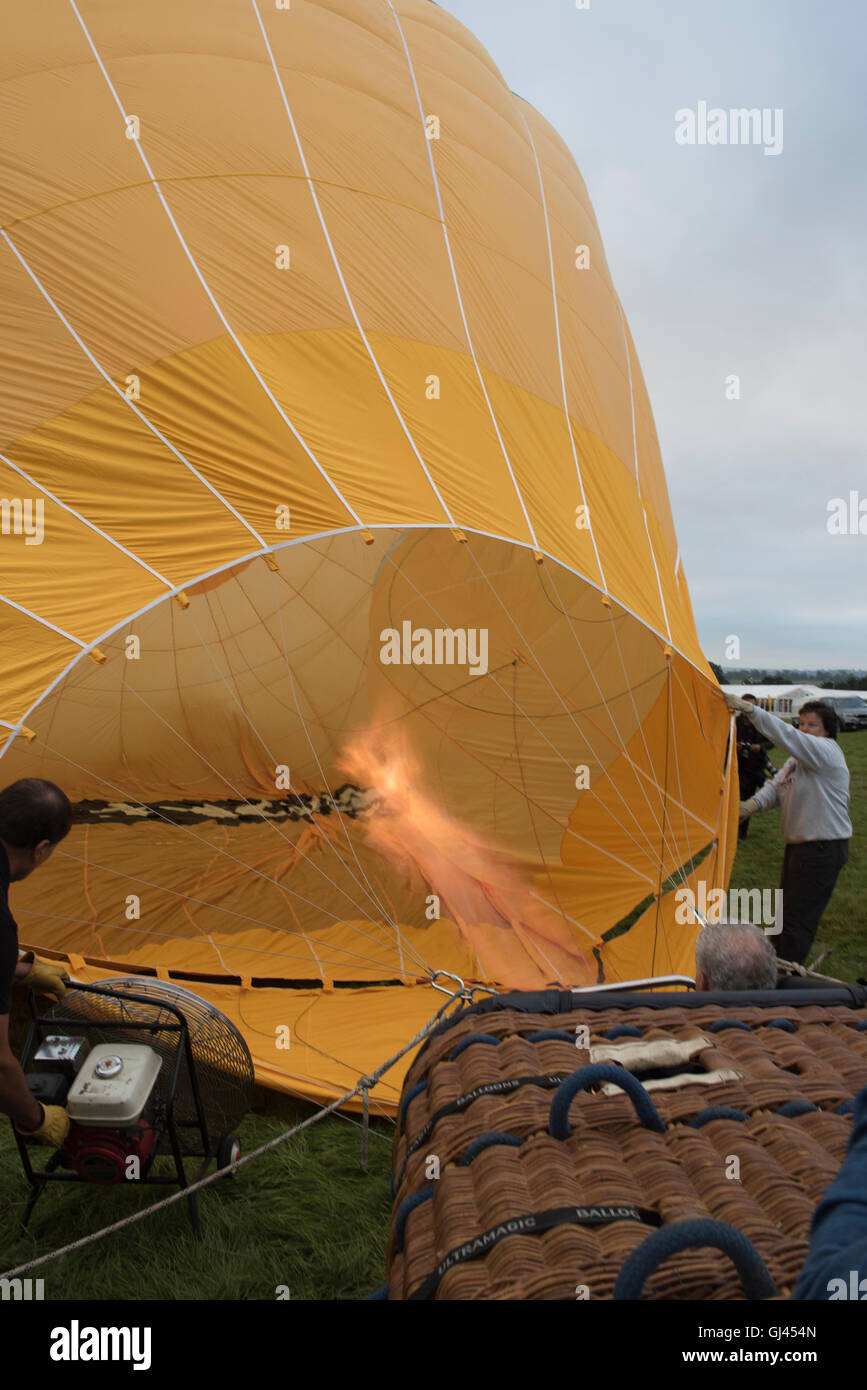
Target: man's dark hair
point(826, 713)
point(32, 810)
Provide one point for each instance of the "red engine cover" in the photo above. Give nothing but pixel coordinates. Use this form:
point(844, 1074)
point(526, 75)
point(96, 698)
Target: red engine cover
point(100, 1155)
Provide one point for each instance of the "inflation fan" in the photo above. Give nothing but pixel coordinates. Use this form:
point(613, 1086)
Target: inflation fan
point(147, 1072)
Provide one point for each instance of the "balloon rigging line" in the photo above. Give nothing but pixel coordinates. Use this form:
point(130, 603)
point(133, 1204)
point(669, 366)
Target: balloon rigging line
point(630, 690)
point(216, 907)
point(630, 761)
point(599, 850)
point(378, 906)
point(544, 738)
point(563, 759)
point(678, 801)
point(542, 855)
point(635, 767)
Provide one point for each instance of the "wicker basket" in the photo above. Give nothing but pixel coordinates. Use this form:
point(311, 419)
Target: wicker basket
point(739, 1113)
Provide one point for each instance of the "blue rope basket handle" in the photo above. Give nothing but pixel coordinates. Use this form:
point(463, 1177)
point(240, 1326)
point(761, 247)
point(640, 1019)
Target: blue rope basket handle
point(686, 1235)
point(558, 1115)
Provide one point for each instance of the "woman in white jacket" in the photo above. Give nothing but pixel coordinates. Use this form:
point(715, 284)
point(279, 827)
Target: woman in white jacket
point(812, 792)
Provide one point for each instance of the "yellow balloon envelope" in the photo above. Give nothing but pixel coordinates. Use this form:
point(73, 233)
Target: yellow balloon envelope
point(340, 590)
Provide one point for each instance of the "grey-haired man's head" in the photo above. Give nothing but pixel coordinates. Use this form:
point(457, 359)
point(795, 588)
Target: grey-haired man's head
point(734, 956)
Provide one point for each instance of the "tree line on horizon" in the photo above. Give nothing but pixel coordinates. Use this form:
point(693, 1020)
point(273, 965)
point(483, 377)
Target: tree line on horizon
point(837, 679)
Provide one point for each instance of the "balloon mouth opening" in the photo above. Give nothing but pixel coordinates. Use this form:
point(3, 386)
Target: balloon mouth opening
point(395, 734)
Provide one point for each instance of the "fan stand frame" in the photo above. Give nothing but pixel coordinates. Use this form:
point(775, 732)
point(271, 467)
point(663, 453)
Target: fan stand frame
point(39, 1178)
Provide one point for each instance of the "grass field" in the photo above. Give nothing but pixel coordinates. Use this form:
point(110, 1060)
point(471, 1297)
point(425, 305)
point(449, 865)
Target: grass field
point(304, 1216)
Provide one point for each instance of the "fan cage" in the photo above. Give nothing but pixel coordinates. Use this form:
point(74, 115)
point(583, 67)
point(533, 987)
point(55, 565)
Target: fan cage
point(221, 1058)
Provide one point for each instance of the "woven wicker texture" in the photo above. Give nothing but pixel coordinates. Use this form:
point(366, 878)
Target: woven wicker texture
point(763, 1173)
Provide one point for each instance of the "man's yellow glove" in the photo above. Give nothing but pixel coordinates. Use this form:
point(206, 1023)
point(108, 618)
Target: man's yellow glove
point(46, 976)
point(53, 1129)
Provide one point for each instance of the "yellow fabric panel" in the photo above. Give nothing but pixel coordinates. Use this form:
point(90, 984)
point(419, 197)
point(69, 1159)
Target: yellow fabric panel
point(656, 806)
point(615, 510)
point(189, 712)
point(594, 336)
point(654, 489)
point(657, 943)
point(234, 185)
point(32, 654)
point(334, 1036)
point(132, 304)
point(484, 497)
point(130, 486)
point(512, 777)
point(59, 373)
point(261, 900)
point(591, 332)
point(60, 539)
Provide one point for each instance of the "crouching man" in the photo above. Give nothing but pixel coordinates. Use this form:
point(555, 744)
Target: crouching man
point(34, 817)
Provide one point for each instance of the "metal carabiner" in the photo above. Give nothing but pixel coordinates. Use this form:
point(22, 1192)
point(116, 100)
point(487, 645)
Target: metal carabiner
point(447, 974)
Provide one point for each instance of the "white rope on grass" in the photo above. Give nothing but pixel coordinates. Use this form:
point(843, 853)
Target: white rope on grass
point(363, 1085)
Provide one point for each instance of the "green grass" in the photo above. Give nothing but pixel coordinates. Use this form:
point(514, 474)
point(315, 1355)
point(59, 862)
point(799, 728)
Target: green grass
point(304, 1215)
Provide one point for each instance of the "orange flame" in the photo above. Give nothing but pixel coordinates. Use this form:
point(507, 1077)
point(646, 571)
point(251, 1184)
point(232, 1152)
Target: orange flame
point(520, 942)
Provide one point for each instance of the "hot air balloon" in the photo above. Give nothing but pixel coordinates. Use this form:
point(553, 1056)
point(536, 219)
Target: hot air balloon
point(340, 589)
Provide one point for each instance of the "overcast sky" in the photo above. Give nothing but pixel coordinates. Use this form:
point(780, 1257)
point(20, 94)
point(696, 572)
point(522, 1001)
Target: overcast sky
point(729, 260)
